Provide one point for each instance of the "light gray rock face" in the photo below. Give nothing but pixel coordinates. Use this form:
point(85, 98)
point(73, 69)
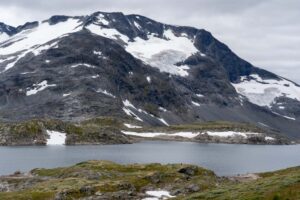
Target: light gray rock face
point(82, 75)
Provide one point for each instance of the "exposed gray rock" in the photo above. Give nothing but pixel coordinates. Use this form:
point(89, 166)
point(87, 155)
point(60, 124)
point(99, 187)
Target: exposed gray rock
point(75, 96)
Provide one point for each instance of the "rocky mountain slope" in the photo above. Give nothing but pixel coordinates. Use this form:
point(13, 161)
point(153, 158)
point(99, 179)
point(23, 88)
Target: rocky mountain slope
point(129, 66)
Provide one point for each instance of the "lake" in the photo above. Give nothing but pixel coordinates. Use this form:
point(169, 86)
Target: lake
point(224, 159)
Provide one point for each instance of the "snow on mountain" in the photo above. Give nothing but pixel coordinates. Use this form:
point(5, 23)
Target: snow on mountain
point(56, 138)
point(3, 37)
point(134, 67)
point(110, 33)
point(192, 134)
point(39, 87)
point(163, 53)
point(34, 40)
point(37, 36)
point(156, 134)
point(263, 92)
point(106, 93)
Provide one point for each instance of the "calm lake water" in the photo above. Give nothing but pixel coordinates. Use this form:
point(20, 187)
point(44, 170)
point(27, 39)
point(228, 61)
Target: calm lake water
point(224, 159)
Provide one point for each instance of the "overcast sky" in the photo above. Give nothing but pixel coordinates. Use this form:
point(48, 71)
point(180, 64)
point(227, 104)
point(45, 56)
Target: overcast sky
point(264, 32)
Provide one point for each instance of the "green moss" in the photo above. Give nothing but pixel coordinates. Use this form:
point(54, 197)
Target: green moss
point(112, 177)
point(283, 184)
point(30, 128)
point(27, 195)
point(103, 122)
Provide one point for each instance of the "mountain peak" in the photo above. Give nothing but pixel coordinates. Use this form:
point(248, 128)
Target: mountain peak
point(7, 29)
point(103, 64)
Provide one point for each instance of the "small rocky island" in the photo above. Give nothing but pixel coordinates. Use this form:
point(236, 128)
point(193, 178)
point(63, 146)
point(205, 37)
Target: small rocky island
point(111, 130)
point(107, 180)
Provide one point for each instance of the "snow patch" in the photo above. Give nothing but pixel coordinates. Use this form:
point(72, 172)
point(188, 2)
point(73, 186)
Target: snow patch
point(162, 109)
point(263, 124)
point(3, 37)
point(98, 53)
point(36, 51)
point(269, 138)
point(10, 58)
point(165, 53)
point(12, 64)
point(56, 138)
point(132, 126)
point(39, 87)
point(67, 94)
point(148, 79)
point(102, 20)
point(131, 114)
point(153, 134)
point(287, 117)
point(163, 121)
point(106, 93)
point(107, 32)
point(95, 76)
point(263, 92)
point(137, 25)
point(38, 36)
point(23, 73)
point(186, 134)
point(128, 104)
point(190, 135)
point(195, 103)
point(230, 134)
point(83, 64)
point(159, 194)
point(126, 109)
point(200, 95)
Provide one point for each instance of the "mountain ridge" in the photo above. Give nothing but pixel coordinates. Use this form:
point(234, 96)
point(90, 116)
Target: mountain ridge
point(158, 73)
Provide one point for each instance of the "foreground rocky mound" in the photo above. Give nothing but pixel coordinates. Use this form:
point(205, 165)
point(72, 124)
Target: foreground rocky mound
point(107, 180)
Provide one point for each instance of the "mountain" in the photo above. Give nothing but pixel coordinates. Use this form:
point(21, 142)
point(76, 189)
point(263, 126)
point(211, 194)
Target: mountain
point(130, 66)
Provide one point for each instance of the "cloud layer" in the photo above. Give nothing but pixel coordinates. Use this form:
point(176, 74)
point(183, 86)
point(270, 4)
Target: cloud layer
point(264, 32)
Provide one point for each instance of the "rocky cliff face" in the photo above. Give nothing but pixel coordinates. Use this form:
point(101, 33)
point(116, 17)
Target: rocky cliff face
point(129, 66)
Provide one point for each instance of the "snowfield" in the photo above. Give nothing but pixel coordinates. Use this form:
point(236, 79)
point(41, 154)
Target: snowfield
point(158, 194)
point(195, 103)
point(287, 117)
point(263, 92)
point(101, 19)
point(132, 126)
point(230, 134)
point(163, 53)
point(34, 40)
point(128, 107)
point(191, 134)
point(3, 37)
point(110, 33)
point(269, 138)
point(56, 138)
point(106, 92)
point(39, 87)
point(82, 64)
point(38, 36)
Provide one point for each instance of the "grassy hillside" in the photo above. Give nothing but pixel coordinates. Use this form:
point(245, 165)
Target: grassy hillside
point(278, 185)
point(108, 180)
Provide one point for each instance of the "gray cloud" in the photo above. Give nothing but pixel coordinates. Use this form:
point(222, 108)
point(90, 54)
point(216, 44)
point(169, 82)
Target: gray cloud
point(264, 32)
